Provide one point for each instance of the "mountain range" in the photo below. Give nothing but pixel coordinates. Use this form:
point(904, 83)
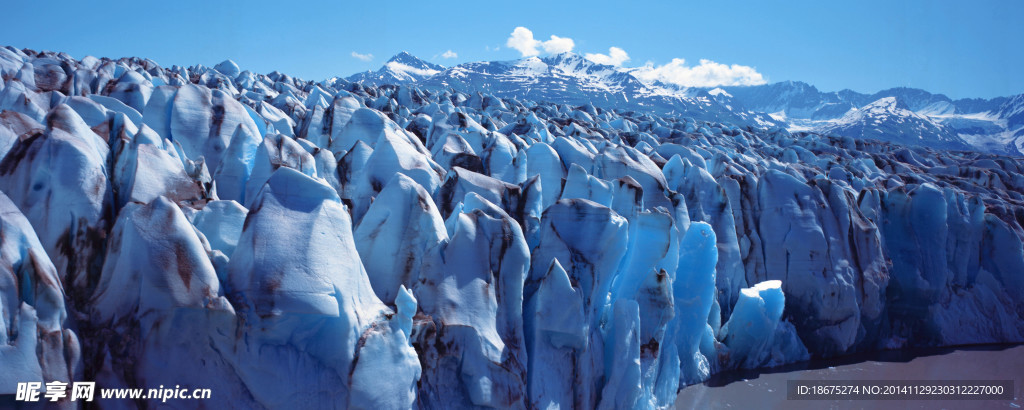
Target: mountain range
point(907, 116)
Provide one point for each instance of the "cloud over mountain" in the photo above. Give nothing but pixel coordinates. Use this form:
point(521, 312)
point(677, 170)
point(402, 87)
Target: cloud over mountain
point(363, 57)
point(706, 74)
point(522, 41)
point(616, 56)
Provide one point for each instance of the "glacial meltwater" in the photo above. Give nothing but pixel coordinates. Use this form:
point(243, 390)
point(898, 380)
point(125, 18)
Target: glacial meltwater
point(767, 389)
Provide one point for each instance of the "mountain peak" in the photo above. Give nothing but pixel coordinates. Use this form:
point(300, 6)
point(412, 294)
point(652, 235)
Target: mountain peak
point(564, 56)
point(799, 85)
point(401, 68)
point(403, 55)
point(891, 104)
point(568, 58)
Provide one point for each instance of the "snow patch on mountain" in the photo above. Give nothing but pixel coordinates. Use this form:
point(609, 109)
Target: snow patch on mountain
point(720, 92)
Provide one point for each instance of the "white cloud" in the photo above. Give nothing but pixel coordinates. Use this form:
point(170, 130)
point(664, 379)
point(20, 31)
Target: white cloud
point(707, 74)
point(364, 57)
point(616, 56)
point(522, 40)
point(558, 45)
point(407, 69)
point(450, 54)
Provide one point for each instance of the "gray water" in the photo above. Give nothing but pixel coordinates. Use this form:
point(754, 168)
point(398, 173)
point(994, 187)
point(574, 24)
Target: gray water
point(766, 389)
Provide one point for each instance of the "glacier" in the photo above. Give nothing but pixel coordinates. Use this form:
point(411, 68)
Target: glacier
point(362, 244)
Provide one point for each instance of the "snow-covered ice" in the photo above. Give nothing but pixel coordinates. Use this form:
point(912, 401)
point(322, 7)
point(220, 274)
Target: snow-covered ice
point(342, 244)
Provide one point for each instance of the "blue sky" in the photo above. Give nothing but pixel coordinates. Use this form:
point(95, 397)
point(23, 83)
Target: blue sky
point(962, 49)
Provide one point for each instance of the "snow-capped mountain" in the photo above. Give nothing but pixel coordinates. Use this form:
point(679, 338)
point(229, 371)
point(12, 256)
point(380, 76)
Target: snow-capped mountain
point(799, 100)
point(923, 118)
point(564, 77)
point(792, 100)
point(924, 102)
point(889, 119)
point(400, 69)
point(568, 78)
